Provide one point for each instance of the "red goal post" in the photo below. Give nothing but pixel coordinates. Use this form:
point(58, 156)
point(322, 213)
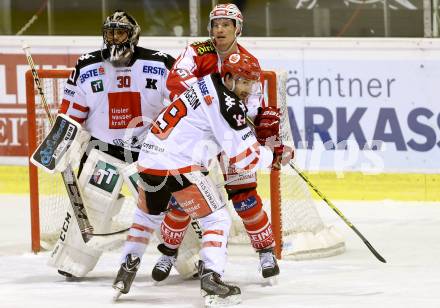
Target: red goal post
point(298, 230)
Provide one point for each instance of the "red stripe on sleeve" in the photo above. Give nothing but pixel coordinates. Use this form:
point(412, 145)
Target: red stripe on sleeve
point(64, 106)
point(79, 120)
point(80, 107)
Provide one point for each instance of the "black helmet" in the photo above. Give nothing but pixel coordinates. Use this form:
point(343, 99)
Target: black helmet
point(120, 32)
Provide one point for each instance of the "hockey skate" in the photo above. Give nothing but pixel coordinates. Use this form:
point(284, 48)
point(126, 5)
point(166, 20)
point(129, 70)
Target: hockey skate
point(215, 292)
point(269, 265)
point(126, 275)
point(162, 268)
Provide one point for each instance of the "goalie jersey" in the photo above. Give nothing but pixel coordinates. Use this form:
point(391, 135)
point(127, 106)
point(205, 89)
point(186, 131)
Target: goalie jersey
point(205, 120)
point(117, 104)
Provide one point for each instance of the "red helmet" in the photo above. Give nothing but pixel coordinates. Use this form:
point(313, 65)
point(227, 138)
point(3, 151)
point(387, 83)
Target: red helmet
point(241, 65)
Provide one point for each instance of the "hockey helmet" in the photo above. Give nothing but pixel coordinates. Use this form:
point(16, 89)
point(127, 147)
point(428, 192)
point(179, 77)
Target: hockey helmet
point(241, 66)
point(229, 11)
point(120, 32)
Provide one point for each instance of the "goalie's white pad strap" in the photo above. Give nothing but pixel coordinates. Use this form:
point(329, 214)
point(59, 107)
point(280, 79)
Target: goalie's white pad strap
point(65, 143)
point(188, 256)
point(131, 178)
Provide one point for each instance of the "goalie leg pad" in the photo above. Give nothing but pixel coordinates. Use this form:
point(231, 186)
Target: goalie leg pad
point(131, 178)
point(101, 183)
point(71, 254)
point(249, 207)
point(188, 256)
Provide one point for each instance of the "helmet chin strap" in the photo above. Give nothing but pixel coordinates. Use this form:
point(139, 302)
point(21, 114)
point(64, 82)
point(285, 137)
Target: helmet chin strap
point(223, 53)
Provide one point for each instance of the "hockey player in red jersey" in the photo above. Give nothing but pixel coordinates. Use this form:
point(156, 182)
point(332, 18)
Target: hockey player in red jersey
point(114, 93)
point(208, 118)
point(197, 60)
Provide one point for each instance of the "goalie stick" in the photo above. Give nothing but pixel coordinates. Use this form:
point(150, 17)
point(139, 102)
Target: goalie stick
point(330, 204)
point(68, 176)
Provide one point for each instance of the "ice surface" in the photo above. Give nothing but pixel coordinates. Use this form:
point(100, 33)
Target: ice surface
point(406, 234)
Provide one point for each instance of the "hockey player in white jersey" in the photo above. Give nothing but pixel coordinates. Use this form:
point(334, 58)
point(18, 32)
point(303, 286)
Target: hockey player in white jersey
point(204, 121)
point(114, 93)
point(197, 60)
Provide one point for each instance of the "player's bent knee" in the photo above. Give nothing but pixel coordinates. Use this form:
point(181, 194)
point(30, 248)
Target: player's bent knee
point(217, 220)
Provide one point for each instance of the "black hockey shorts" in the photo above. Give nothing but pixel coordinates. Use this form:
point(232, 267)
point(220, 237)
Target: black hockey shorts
point(158, 190)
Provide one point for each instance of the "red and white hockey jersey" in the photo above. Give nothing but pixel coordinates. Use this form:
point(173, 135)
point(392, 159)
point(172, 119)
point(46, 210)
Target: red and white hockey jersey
point(200, 59)
point(118, 104)
point(205, 120)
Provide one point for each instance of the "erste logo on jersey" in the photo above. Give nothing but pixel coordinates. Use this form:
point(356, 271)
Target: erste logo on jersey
point(205, 92)
point(149, 69)
point(92, 73)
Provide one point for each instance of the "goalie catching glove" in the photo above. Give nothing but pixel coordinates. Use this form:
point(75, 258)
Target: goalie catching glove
point(267, 130)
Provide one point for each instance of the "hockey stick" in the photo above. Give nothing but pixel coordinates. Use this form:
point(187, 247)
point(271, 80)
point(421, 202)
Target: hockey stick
point(337, 211)
point(68, 176)
point(331, 205)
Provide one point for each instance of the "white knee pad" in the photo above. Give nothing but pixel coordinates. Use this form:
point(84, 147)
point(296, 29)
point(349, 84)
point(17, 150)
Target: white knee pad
point(214, 241)
point(140, 233)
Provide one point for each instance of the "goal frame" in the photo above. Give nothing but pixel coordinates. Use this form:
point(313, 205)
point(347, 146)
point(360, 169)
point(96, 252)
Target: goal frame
point(32, 146)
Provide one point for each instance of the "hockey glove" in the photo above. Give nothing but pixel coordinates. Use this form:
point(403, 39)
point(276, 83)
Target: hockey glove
point(282, 154)
point(267, 124)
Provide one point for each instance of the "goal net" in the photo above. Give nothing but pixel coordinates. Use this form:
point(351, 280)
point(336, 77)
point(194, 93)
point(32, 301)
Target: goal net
point(298, 229)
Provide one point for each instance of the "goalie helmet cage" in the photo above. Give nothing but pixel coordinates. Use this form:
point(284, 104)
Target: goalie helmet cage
point(297, 227)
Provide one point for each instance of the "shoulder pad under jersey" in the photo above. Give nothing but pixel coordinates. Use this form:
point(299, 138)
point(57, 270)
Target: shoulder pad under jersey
point(232, 108)
point(83, 61)
point(203, 47)
point(155, 55)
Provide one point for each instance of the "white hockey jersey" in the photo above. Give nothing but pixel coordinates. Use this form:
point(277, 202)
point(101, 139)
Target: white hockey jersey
point(205, 120)
point(118, 104)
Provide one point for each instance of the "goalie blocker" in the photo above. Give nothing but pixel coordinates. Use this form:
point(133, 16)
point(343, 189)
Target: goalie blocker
point(54, 154)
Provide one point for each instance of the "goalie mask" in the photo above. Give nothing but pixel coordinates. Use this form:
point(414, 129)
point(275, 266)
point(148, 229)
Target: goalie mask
point(120, 32)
